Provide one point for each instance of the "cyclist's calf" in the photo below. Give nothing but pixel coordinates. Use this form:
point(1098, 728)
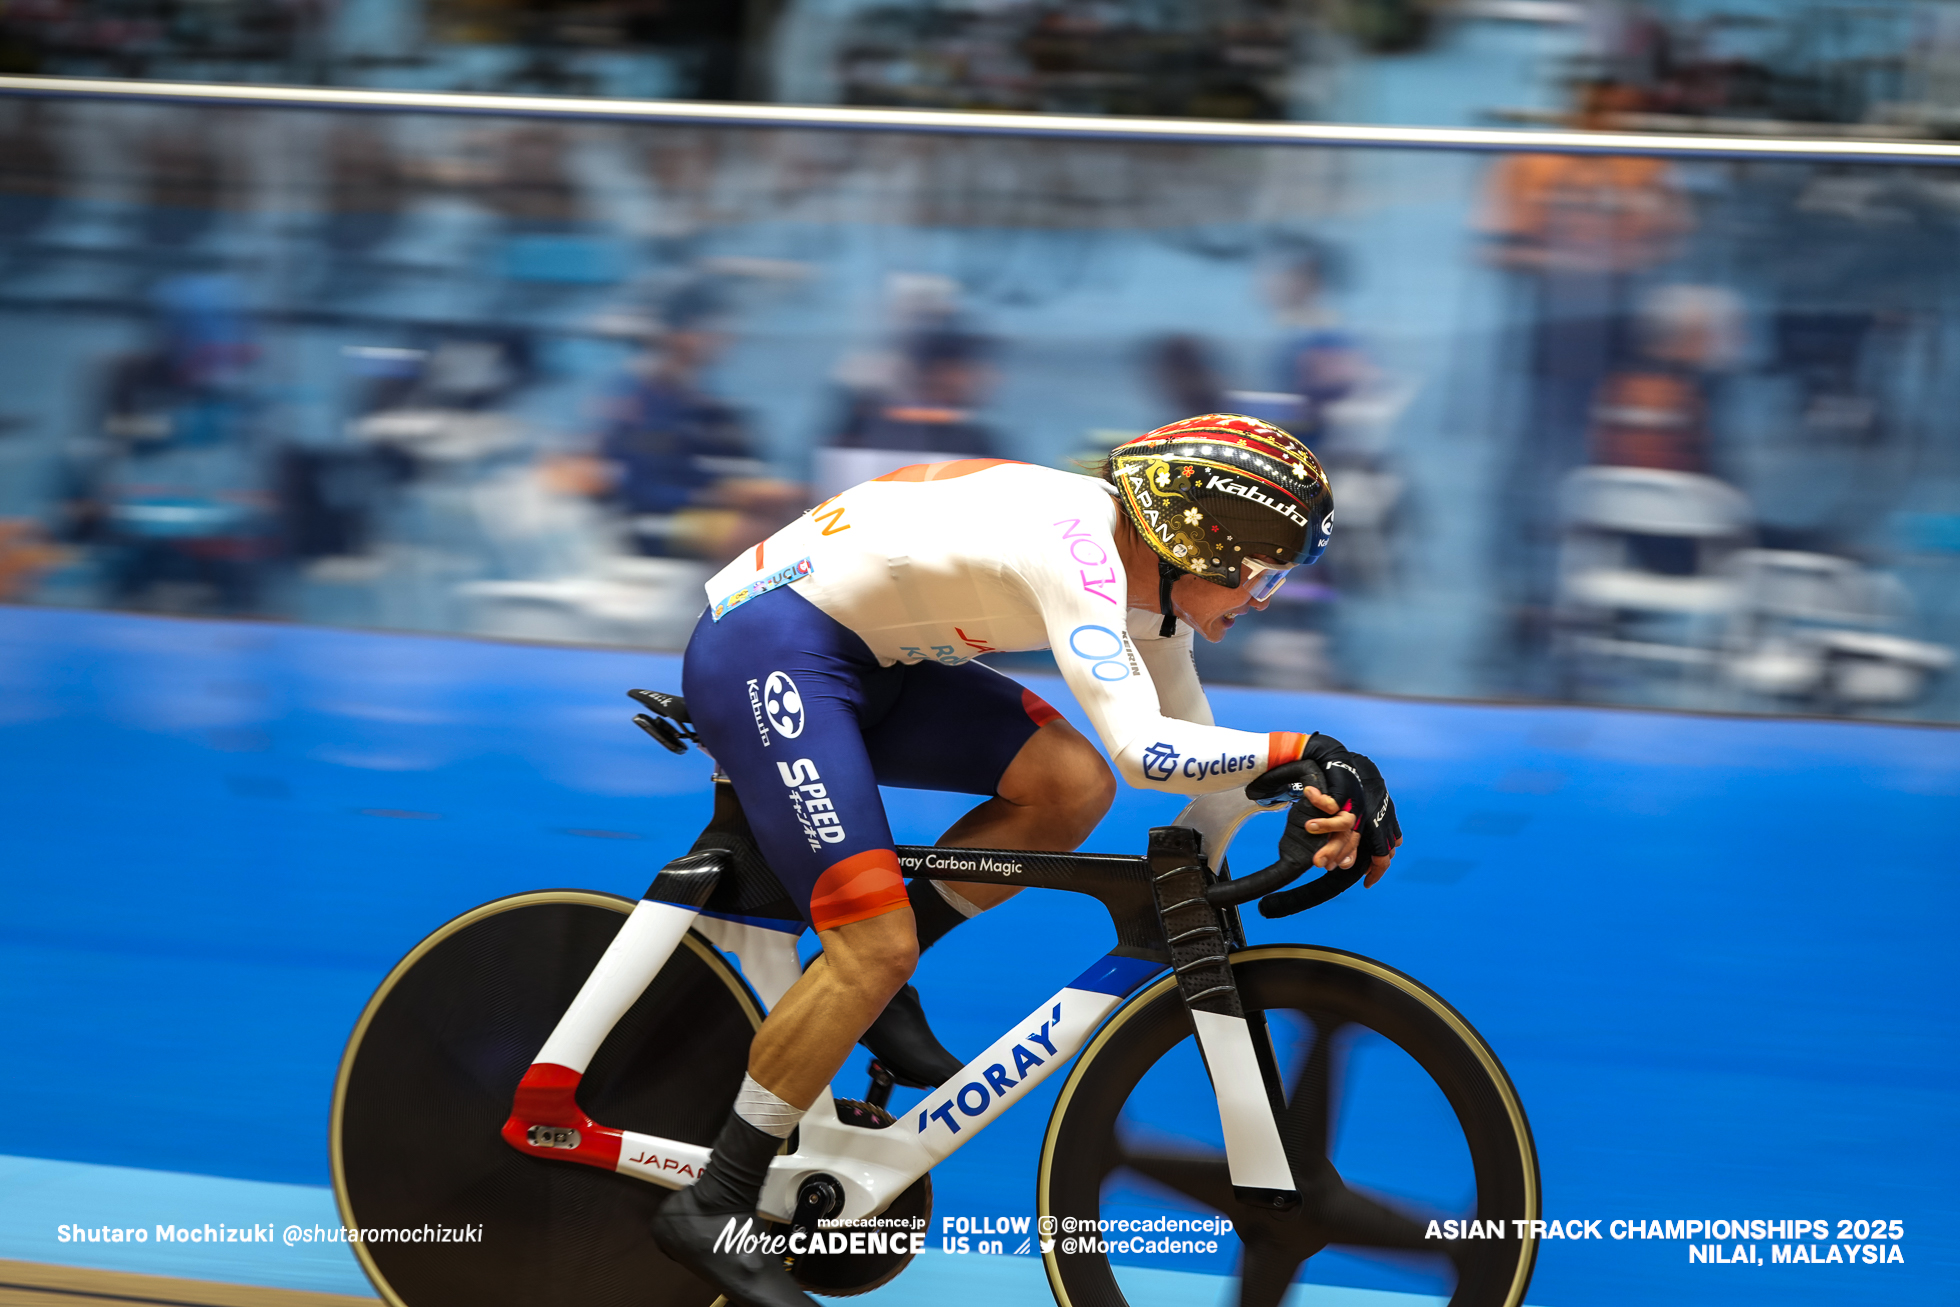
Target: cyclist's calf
point(807, 1036)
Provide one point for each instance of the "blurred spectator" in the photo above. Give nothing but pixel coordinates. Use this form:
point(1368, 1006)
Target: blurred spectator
point(913, 397)
point(1597, 215)
point(1577, 232)
point(673, 456)
point(1318, 359)
point(24, 555)
point(34, 174)
point(367, 193)
point(948, 375)
point(1651, 415)
point(1335, 397)
point(444, 405)
point(1185, 375)
point(1654, 411)
point(1081, 59)
point(187, 181)
point(919, 304)
point(174, 491)
point(533, 187)
point(1826, 352)
point(707, 44)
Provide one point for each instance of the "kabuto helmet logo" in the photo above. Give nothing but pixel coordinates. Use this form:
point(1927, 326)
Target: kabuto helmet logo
point(783, 705)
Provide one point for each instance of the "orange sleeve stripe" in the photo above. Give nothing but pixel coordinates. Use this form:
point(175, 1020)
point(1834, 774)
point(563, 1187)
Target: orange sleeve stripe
point(1284, 746)
point(1038, 709)
point(862, 886)
point(959, 467)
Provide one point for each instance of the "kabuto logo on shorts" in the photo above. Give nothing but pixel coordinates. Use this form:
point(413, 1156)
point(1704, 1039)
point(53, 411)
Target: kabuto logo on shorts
point(755, 711)
point(783, 705)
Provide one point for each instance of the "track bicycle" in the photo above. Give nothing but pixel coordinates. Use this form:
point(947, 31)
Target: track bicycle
point(473, 1089)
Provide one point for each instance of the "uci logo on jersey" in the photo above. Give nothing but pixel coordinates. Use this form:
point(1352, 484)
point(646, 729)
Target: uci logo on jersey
point(783, 705)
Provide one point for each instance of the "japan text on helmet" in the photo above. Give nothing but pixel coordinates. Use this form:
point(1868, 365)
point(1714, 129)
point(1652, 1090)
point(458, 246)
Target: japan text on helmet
point(1211, 491)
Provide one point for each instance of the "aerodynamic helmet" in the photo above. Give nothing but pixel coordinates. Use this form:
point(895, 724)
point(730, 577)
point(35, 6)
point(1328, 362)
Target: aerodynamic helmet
point(1210, 492)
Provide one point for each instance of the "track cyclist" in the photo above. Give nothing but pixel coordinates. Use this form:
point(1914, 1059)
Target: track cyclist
point(838, 654)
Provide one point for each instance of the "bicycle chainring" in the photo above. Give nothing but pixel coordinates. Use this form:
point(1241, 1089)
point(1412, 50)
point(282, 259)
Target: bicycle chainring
point(844, 1273)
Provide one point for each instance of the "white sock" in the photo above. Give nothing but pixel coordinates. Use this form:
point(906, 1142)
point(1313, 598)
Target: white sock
point(764, 1110)
point(954, 899)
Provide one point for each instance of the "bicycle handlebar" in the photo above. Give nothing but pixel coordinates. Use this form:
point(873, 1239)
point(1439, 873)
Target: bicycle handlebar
point(1268, 885)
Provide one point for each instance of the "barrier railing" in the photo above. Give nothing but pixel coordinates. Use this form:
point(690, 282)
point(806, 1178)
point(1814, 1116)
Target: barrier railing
point(1064, 126)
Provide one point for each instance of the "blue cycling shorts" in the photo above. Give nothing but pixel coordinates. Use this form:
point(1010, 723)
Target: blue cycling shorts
point(807, 726)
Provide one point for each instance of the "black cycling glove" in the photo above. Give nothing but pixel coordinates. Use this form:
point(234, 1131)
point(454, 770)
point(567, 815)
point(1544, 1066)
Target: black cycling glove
point(1354, 782)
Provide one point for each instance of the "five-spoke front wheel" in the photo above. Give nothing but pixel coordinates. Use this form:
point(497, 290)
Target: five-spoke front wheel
point(1396, 1113)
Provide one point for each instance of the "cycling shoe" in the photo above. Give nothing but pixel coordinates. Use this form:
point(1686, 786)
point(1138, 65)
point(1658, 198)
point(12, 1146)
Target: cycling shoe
point(904, 1042)
point(731, 1250)
point(713, 1231)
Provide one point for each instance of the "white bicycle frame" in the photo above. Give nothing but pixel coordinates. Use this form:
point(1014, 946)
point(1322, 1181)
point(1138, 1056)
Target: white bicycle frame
point(874, 1166)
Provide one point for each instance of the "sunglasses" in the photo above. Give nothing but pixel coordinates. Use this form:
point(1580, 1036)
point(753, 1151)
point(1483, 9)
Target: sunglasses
point(1266, 577)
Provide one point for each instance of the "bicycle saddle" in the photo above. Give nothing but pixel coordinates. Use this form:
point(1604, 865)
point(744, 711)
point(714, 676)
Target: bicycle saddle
point(666, 709)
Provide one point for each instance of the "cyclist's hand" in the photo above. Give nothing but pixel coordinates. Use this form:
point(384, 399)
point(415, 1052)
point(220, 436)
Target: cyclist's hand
point(1356, 786)
point(1339, 828)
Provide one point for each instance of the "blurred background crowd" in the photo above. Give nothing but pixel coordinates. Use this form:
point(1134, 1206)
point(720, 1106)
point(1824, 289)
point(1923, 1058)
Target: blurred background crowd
point(1600, 428)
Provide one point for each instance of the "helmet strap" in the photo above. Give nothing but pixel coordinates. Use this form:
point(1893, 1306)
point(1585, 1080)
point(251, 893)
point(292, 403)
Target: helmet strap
point(1167, 575)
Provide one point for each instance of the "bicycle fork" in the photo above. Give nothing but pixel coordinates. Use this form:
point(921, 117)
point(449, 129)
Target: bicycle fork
point(1238, 1053)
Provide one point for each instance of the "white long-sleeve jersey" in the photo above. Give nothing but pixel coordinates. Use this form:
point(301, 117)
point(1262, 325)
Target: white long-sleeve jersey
point(948, 561)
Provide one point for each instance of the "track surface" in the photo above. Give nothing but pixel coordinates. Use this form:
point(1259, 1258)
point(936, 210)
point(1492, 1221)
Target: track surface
point(25, 1284)
point(1715, 954)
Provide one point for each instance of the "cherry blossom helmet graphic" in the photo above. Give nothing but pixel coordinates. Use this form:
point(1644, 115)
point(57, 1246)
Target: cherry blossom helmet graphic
point(1222, 494)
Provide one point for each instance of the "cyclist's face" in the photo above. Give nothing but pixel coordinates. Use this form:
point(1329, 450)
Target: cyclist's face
point(1211, 609)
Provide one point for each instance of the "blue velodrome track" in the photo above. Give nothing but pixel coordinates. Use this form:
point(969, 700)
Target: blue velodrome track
point(1716, 955)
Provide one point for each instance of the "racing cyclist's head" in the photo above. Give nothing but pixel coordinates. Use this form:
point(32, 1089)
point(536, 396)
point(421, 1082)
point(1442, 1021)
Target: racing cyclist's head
point(1223, 496)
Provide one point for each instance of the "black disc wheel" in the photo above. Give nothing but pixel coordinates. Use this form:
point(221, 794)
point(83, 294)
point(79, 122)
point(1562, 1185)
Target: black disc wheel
point(426, 1083)
point(1396, 1114)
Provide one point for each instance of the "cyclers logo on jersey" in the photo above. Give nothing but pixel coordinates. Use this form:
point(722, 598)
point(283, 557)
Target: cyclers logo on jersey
point(1224, 764)
point(783, 705)
point(811, 798)
point(1160, 761)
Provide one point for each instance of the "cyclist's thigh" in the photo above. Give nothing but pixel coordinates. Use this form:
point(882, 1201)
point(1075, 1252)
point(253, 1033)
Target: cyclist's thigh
point(953, 728)
point(777, 691)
